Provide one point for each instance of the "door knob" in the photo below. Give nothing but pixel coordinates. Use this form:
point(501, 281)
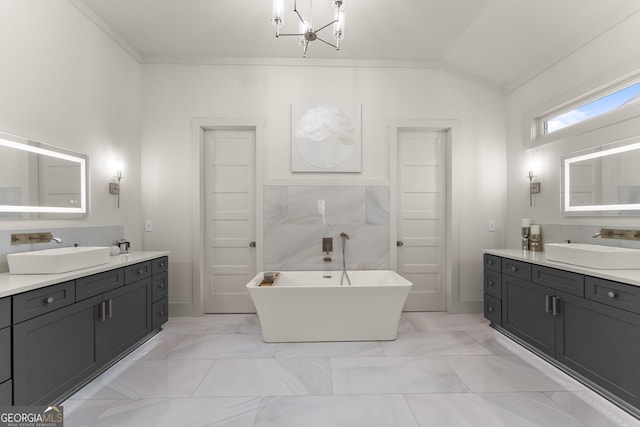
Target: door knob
point(399, 243)
point(252, 244)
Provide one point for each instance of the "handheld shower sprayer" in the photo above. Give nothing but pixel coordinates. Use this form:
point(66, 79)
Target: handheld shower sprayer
point(344, 237)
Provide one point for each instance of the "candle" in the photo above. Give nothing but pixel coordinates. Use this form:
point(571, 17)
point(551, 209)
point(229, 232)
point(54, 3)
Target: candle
point(526, 222)
point(535, 229)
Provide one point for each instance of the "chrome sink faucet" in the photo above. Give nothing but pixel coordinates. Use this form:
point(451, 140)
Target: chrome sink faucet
point(56, 239)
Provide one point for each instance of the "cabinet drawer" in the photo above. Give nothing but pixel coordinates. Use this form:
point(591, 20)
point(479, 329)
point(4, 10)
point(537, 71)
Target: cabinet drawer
point(159, 286)
point(6, 393)
point(97, 284)
point(5, 312)
point(159, 265)
point(159, 313)
point(615, 294)
point(40, 301)
point(565, 281)
point(493, 310)
point(5, 354)
point(136, 272)
point(516, 268)
point(493, 283)
point(492, 262)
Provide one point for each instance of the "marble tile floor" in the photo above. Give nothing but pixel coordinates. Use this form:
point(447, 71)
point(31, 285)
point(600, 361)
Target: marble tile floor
point(443, 370)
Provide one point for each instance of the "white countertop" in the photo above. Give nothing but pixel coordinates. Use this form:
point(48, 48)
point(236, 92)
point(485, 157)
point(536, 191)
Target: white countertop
point(631, 277)
point(11, 284)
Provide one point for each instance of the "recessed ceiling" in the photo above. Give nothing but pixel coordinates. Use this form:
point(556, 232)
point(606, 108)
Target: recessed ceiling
point(498, 41)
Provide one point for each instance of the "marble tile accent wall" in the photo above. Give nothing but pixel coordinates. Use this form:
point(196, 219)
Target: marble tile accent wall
point(83, 236)
point(294, 226)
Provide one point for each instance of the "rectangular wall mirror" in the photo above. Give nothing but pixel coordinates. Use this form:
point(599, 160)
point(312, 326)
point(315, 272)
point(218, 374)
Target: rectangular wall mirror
point(603, 181)
point(39, 180)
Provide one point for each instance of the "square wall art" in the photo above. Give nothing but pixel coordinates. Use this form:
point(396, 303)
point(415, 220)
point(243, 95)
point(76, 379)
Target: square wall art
point(326, 137)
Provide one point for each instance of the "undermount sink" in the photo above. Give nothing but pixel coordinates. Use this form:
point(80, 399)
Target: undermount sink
point(594, 256)
point(58, 260)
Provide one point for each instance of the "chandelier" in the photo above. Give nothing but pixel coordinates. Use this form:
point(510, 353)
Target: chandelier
point(307, 32)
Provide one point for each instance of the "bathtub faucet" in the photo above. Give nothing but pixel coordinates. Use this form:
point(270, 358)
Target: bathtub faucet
point(344, 237)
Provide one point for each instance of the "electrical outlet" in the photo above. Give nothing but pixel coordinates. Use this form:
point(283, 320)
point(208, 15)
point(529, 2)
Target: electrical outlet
point(148, 225)
point(492, 225)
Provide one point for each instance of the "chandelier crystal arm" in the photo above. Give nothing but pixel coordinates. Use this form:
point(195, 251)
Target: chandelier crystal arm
point(295, 9)
point(326, 42)
point(325, 26)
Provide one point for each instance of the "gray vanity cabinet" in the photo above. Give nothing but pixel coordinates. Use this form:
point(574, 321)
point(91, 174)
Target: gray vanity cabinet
point(5, 352)
point(66, 334)
point(125, 320)
point(160, 292)
point(493, 289)
point(532, 301)
point(124, 309)
point(601, 343)
point(588, 325)
point(525, 315)
point(54, 351)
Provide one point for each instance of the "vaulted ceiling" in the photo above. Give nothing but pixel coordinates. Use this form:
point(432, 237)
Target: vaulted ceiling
point(501, 42)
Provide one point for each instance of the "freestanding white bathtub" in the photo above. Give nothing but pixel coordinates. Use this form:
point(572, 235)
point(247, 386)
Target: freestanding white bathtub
point(312, 306)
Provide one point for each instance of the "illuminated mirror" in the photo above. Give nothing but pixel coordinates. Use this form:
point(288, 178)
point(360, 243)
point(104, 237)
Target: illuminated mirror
point(38, 180)
point(604, 179)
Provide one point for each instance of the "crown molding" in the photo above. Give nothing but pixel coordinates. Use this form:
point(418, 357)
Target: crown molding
point(106, 28)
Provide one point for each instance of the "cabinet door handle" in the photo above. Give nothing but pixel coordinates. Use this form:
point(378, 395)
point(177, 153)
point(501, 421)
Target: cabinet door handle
point(490, 283)
point(611, 294)
point(141, 271)
point(103, 312)
point(547, 303)
point(514, 269)
point(554, 301)
point(49, 300)
point(491, 309)
point(109, 308)
point(490, 262)
point(162, 313)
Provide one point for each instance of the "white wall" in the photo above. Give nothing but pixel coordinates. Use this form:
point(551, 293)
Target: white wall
point(611, 56)
point(173, 95)
point(64, 82)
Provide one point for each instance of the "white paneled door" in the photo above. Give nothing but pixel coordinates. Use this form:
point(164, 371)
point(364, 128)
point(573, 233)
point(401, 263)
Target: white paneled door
point(421, 219)
point(230, 226)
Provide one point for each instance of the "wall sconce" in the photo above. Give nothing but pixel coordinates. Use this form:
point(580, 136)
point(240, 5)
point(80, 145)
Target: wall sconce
point(534, 187)
point(114, 187)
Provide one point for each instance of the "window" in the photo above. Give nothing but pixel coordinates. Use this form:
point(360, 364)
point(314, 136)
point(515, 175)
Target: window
point(601, 103)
